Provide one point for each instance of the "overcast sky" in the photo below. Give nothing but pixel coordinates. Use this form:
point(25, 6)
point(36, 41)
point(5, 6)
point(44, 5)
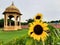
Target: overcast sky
point(29, 8)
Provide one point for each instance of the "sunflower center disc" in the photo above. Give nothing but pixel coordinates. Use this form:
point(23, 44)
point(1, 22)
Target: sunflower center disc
point(38, 29)
point(38, 17)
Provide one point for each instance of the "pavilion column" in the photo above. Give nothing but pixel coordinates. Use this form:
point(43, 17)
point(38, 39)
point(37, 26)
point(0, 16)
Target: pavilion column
point(15, 20)
point(6, 19)
point(19, 20)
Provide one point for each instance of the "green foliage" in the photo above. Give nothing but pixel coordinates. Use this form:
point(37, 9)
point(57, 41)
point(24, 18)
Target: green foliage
point(7, 36)
point(11, 21)
point(1, 23)
point(22, 38)
point(56, 21)
point(29, 21)
point(23, 23)
point(55, 35)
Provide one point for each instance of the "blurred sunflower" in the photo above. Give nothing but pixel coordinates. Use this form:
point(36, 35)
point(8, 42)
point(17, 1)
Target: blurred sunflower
point(37, 30)
point(38, 17)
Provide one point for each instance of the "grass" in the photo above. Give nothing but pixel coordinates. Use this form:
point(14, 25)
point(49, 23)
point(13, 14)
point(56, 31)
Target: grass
point(6, 36)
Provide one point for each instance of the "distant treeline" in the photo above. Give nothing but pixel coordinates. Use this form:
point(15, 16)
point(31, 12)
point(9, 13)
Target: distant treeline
point(56, 21)
point(12, 22)
point(23, 23)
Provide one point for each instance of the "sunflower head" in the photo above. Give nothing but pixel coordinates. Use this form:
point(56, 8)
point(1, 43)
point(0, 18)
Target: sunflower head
point(38, 17)
point(37, 30)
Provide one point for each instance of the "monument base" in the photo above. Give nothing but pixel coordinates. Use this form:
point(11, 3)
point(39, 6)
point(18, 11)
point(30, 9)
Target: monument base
point(8, 28)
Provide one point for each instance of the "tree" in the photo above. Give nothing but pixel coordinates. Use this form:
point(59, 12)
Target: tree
point(1, 23)
point(29, 21)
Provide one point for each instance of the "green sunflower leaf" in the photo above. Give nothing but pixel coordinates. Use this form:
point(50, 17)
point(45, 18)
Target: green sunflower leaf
point(29, 42)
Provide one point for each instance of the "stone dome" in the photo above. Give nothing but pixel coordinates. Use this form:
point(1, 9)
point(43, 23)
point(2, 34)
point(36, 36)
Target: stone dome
point(12, 9)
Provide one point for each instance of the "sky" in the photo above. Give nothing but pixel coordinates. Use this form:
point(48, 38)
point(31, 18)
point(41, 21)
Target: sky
point(29, 8)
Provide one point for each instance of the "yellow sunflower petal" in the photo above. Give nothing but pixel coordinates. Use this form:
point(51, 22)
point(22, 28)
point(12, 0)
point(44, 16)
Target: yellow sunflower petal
point(45, 24)
point(34, 25)
point(45, 28)
point(39, 14)
point(30, 24)
point(32, 35)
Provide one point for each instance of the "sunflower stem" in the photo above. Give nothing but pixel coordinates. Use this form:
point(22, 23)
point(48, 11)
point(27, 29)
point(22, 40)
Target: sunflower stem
point(43, 43)
point(35, 42)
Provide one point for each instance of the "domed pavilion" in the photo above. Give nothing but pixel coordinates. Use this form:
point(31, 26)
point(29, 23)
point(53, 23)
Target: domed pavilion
point(10, 13)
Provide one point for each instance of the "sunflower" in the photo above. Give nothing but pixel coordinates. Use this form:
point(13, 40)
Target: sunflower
point(38, 17)
point(37, 30)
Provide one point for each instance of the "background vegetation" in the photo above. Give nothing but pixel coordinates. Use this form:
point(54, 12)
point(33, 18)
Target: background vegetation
point(24, 23)
point(20, 37)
